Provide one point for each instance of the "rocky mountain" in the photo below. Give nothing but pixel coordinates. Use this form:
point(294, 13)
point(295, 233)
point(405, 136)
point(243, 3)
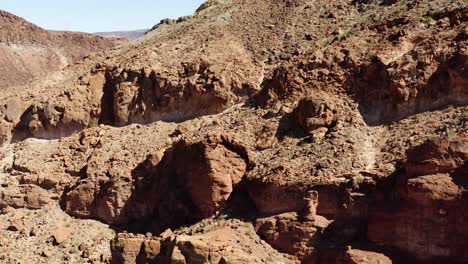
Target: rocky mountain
point(251, 132)
point(28, 52)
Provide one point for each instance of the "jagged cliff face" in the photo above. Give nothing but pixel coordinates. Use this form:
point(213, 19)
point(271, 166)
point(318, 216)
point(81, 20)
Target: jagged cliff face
point(251, 132)
point(28, 52)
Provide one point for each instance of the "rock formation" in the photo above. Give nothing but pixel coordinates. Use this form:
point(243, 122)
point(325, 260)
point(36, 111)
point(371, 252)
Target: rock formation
point(190, 182)
point(230, 241)
point(426, 213)
point(250, 132)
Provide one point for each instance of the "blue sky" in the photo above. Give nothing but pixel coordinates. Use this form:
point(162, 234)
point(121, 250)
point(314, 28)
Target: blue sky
point(98, 15)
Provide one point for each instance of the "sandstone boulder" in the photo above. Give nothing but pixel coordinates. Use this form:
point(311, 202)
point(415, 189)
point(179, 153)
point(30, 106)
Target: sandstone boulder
point(61, 234)
point(80, 201)
point(212, 247)
point(281, 87)
point(441, 155)
point(312, 114)
point(24, 196)
point(13, 109)
point(289, 233)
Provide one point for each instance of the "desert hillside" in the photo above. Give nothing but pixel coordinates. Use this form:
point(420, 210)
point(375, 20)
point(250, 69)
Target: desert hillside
point(28, 52)
point(254, 131)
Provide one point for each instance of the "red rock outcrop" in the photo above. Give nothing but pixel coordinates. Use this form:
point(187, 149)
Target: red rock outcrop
point(390, 85)
point(192, 181)
point(52, 120)
point(183, 192)
point(332, 199)
point(230, 241)
point(427, 214)
point(25, 196)
point(291, 234)
point(148, 95)
point(291, 218)
point(403, 87)
point(118, 97)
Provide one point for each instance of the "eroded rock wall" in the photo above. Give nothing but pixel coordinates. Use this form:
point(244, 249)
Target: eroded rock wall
point(426, 213)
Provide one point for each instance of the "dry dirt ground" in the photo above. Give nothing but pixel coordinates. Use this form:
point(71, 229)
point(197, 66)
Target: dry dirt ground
point(251, 132)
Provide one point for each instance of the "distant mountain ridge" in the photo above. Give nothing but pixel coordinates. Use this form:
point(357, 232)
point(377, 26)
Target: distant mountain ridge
point(16, 29)
point(28, 51)
point(132, 34)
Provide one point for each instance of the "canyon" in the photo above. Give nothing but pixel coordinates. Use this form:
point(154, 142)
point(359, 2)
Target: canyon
point(261, 131)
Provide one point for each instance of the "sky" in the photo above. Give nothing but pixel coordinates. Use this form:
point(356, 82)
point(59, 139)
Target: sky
point(98, 15)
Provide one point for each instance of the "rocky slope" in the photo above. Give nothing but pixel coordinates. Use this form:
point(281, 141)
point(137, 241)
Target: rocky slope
point(251, 132)
point(28, 52)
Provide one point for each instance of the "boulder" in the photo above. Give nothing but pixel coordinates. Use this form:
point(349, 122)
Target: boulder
point(13, 109)
point(24, 196)
point(61, 234)
point(289, 233)
point(312, 114)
